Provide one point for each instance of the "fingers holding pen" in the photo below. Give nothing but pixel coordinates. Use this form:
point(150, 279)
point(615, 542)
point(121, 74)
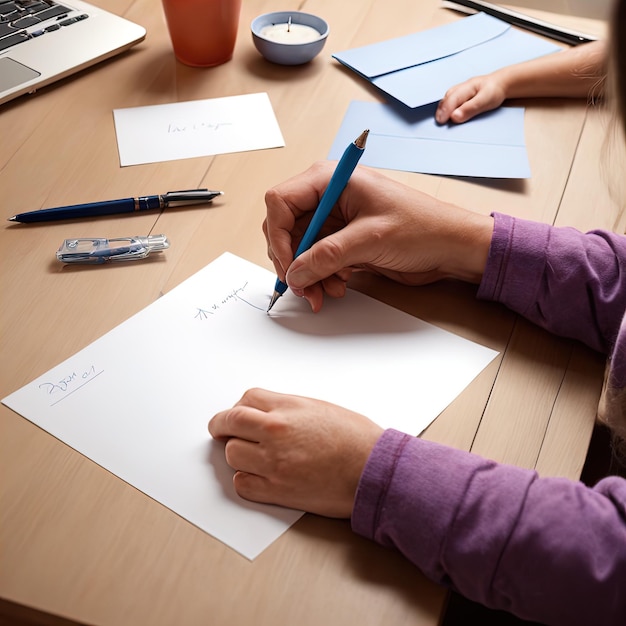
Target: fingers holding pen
point(378, 225)
point(289, 205)
point(334, 286)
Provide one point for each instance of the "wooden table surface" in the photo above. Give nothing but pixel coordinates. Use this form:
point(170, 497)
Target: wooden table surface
point(76, 541)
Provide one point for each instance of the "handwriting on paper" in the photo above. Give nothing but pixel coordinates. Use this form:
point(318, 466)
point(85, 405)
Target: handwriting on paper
point(182, 130)
point(195, 126)
point(236, 295)
point(67, 385)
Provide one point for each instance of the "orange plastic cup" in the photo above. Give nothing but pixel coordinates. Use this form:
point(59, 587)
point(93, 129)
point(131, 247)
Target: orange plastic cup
point(203, 32)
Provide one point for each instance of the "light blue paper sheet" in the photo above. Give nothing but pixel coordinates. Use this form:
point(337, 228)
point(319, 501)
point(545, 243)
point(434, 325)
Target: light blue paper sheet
point(489, 146)
point(418, 69)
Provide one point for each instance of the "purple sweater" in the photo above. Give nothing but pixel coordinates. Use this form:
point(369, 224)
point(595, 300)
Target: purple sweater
point(545, 549)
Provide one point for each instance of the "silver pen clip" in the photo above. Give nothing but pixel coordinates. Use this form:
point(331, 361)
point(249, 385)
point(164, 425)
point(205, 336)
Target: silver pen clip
point(190, 196)
point(100, 250)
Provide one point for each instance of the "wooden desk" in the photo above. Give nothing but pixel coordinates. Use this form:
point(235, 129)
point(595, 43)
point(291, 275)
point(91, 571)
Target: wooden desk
point(75, 541)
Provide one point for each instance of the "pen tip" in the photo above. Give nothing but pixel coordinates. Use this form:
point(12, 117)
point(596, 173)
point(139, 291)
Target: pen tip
point(275, 297)
point(362, 139)
point(12, 219)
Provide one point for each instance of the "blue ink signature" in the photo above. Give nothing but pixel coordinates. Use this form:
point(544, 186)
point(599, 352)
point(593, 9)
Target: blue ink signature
point(234, 295)
point(69, 384)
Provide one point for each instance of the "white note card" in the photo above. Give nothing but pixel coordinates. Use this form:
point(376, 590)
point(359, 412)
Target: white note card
point(137, 401)
point(182, 130)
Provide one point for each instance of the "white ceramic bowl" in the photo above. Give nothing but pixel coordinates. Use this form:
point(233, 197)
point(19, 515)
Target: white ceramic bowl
point(285, 52)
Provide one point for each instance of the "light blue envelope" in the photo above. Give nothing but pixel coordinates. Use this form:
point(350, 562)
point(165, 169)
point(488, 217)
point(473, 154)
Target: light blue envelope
point(418, 69)
point(489, 146)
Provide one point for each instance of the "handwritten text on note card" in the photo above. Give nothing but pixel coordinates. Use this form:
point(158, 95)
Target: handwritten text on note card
point(196, 127)
point(181, 130)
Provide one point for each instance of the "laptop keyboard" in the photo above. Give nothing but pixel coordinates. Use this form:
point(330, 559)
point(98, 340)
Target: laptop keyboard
point(21, 20)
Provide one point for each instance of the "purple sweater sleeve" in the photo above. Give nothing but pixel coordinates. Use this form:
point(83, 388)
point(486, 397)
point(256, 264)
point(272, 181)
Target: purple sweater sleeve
point(571, 283)
point(545, 549)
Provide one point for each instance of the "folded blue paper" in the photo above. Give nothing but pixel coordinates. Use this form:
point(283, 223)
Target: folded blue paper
point(418, 69)
point(490, 146)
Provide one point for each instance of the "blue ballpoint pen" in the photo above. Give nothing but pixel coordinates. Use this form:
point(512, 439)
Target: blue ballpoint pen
point(124, 205)
point(335, 188)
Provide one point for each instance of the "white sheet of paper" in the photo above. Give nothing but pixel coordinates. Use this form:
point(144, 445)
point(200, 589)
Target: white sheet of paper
point(491, 145)
point(181, 130)
point(137, 401)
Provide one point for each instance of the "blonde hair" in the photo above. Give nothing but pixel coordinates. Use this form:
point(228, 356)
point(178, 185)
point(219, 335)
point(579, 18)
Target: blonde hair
point(612, 413)
point(617, 62)
point(612, 407)
point(615, 145)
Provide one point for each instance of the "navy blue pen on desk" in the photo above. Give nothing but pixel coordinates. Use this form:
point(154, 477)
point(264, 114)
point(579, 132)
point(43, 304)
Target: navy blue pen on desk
point(124, 205)
point(335, 188)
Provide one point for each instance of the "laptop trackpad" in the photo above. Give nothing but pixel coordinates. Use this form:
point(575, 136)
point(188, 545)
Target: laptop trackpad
point(13, 73)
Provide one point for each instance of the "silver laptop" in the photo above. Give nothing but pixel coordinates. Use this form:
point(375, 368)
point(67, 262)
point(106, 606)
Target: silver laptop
point(42, 41)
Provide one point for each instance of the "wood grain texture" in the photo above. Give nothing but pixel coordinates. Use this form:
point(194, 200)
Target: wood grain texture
point(77, 542)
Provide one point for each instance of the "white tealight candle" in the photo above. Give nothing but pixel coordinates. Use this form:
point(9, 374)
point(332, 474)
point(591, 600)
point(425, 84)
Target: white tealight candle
point(290, 33)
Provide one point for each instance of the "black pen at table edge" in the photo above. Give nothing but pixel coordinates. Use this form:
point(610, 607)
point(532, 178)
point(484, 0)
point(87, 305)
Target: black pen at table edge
point(170, 199)
point(564, 35)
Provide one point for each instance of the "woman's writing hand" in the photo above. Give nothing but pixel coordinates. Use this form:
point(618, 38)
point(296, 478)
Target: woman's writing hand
point(378, 225)
point(296, 452)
